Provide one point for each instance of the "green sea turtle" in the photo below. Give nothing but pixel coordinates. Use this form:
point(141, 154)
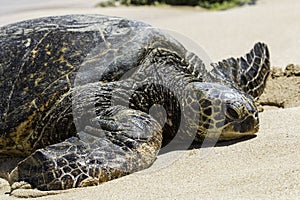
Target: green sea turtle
point(77, 91)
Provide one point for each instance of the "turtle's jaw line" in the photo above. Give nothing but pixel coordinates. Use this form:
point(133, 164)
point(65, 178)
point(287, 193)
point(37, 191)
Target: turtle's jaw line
point(230, 135)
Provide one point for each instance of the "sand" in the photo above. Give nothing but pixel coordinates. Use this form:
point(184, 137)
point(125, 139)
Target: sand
point(264, 167)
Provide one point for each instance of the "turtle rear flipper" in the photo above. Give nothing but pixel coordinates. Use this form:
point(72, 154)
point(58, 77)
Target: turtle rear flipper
point(127, 141)
point(248, 73)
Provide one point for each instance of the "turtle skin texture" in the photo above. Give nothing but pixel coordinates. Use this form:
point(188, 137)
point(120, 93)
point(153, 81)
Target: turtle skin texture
point(79, 96)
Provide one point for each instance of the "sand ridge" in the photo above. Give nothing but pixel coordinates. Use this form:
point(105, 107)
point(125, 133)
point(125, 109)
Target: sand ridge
point(283, 88)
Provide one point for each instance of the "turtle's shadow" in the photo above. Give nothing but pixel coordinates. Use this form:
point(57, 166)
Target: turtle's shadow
point(177, 146)
point(195, 145)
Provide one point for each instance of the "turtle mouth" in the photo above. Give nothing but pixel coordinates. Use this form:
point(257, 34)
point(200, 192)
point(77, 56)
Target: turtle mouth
point(230, 135)
point(235, 130)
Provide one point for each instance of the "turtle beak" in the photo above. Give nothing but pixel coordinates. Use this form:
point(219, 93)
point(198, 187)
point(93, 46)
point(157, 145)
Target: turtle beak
point(247, 125)
point(238, 129)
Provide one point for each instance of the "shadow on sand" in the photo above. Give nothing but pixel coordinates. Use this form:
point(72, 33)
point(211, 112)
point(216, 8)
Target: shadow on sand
point(196, 145)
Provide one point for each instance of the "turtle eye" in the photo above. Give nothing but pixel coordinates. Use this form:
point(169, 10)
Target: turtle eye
point(232, 112)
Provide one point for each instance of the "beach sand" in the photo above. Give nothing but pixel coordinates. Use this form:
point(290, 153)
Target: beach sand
point(264, 167)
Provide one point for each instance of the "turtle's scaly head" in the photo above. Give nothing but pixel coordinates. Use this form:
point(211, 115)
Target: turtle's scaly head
point(224, 113)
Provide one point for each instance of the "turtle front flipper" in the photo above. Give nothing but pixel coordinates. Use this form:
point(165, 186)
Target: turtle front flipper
point(120, 143)
point(248, 73)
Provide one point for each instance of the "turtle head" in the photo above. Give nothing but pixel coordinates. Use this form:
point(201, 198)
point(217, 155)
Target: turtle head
point(220, 112)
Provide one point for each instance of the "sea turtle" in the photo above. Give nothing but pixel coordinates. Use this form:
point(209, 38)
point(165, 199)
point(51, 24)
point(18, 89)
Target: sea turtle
point(77, 90)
